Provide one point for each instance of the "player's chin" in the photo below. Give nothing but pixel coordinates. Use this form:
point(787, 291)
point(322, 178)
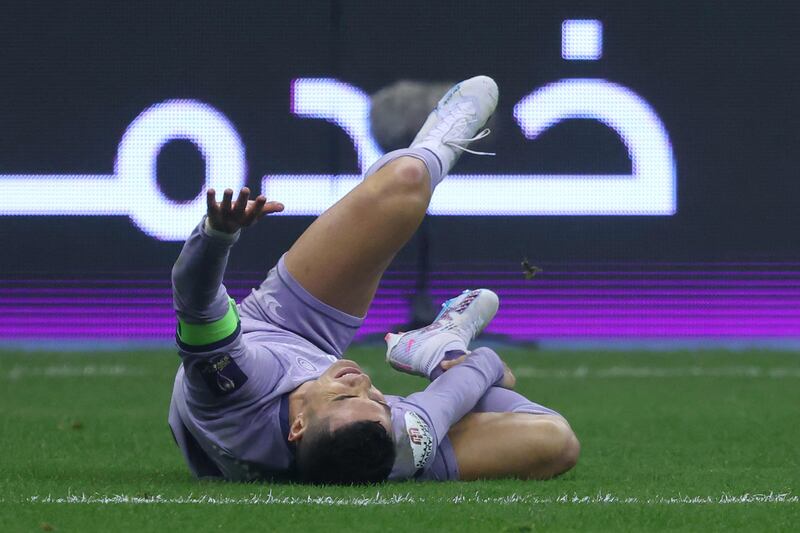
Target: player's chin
point(342, 367)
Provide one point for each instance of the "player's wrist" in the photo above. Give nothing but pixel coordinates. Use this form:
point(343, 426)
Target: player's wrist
point(212, 230)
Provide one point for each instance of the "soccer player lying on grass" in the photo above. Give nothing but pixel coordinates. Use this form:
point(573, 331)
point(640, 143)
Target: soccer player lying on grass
point(263, 392)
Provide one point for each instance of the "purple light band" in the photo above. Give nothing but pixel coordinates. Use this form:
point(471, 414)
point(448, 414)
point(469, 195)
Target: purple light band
point(87, 302)
point(687, 323)
point(21, 295)
point(612, 304)
point(517, 313)
point(495, 275)
point(643, 283)
point(519, 298)
point(390, 286)
point(515, 331)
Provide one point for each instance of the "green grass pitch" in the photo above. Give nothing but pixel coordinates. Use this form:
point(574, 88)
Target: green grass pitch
point(671, 441)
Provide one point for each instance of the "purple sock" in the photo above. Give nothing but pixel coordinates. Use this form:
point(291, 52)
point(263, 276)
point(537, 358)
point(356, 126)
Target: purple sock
point(448, 356)
point(423, 154)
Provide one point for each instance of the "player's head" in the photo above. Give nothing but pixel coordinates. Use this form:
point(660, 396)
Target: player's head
point(343, 432)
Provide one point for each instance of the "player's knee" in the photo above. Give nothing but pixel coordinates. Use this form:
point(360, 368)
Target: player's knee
point(557, 447)
point(409, 178)
point(570, 449)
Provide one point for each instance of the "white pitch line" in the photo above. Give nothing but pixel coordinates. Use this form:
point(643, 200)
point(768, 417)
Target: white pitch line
point(70, 371)
point(585, 372)
point(381, 499)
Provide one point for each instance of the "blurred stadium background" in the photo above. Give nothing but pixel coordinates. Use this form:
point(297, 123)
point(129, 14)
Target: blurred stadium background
point(89, 252)
point(647, 162)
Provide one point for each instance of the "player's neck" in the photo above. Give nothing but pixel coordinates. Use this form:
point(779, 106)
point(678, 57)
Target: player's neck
point(297, 400)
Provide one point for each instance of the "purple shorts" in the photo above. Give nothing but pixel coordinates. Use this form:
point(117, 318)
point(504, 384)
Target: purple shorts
point(496, 400)
point(282, 302)
point(444, 466)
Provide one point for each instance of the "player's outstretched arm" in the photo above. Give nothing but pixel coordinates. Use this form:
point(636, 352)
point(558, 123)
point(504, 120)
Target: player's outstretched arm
point(198, 294)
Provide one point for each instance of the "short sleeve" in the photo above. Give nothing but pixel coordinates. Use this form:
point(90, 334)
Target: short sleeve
point(415, 444)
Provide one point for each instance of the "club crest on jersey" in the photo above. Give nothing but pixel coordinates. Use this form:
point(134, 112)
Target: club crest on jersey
point(305, 364)
point(222, 375)
point(420, 438)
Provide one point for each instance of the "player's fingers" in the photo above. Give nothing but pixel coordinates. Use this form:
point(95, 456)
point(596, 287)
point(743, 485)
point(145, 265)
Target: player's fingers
point(211, 199)
point(225, 206)
point(254, 210)
point(509, 379)
point(447, 365)
point(272, 207)
point(269, 207)
point(241, 202)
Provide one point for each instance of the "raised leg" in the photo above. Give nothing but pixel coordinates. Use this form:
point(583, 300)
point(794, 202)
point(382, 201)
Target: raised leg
point(521, 445)
point(341, 257)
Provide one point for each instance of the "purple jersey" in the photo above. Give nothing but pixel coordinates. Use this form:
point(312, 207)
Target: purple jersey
point(229, 409)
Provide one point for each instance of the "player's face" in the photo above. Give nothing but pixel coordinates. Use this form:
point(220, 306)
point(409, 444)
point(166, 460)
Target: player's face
point(344, 394)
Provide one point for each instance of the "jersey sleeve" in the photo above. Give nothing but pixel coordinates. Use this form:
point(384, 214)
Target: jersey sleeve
point(198, 295)
point(427, 416)
point(216, 360)
point(499, 400)
point(232, 372)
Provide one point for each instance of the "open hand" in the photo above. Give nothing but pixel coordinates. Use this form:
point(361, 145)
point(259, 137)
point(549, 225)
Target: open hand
point(229, 217)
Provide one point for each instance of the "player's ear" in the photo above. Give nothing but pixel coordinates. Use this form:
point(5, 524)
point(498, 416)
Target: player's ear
point(297, 428)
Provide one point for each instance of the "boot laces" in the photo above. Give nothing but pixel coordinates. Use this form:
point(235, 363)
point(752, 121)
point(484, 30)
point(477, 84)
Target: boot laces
point(455, 120)
point(456, 143)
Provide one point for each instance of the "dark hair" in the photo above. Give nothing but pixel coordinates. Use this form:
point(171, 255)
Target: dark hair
point(361, 452)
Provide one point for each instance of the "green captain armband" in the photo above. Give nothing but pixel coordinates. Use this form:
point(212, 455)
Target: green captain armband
point(210, 335)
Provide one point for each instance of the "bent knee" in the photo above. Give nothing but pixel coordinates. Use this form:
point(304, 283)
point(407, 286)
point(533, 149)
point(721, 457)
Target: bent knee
point(570, 449)
point(411, 173)
point(557, 447)
point(406, 176)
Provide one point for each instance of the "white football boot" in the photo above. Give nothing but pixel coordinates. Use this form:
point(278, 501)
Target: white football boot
point(457, 120)
point(461, 319)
